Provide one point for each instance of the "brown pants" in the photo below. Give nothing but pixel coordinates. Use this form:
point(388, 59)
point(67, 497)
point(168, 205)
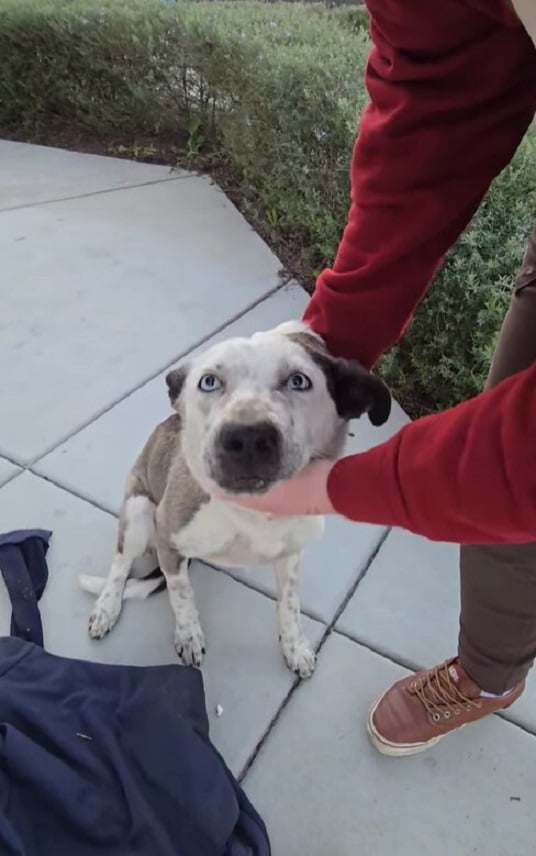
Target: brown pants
point(497, 642)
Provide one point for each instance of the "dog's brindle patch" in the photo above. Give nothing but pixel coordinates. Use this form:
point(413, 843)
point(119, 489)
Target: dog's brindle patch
point(150, 476)
point(175, 382)
point(161, 479)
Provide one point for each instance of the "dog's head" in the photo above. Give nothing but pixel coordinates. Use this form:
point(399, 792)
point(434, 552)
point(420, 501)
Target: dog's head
point(257, 410)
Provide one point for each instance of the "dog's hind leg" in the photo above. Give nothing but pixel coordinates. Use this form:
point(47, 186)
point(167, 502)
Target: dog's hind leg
point(189, 639)
point(297, 651)
point(136, 533)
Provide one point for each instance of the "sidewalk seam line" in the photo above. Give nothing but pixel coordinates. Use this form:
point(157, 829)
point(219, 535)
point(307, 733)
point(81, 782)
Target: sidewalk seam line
point(230, 572)
point(329, 629)
point(11, 477)
point(197, 344)
point(402, 662)
point(71, 491)
point(10, 460)
point(88, 194)
point(415, 667)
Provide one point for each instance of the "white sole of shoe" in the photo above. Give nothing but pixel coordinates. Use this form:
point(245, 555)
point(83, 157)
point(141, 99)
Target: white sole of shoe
point(401, 750)
point(396, 750)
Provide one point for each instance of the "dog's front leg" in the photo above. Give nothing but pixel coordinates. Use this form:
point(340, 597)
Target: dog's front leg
point(297, 650)
point(136, 527)
point(189, 639)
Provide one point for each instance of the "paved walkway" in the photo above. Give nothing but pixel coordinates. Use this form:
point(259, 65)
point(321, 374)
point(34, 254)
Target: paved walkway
point(112, 271)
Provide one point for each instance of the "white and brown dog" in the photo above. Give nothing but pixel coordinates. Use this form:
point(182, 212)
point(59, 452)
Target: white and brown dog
point(250, 412)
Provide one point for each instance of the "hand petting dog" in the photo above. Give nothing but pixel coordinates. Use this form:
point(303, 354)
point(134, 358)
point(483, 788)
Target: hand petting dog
point(304, 494)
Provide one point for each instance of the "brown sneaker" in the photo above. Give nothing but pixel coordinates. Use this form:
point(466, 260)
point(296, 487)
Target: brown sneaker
point(416, 712)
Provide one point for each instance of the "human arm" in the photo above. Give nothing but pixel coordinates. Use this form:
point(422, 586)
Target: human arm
point(452, 90)
point(466, 475)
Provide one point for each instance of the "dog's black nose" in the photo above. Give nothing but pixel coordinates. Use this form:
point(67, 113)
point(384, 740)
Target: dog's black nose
point(250, 442)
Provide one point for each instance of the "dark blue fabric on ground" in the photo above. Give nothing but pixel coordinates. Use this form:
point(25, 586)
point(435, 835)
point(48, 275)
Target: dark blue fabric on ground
point(99, 759)
point(25, 572)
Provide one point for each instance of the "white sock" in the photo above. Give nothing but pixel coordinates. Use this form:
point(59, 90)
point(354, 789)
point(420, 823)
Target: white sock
point(493, 695)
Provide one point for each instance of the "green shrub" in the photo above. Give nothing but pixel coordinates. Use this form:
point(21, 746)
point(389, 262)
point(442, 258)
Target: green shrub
point(445, 356)
point(274, 91)
point(277, 88)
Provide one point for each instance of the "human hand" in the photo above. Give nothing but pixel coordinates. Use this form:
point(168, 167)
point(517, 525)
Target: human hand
point(304, 494)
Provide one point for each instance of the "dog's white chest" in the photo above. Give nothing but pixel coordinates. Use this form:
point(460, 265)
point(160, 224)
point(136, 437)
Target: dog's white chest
point(228, 535)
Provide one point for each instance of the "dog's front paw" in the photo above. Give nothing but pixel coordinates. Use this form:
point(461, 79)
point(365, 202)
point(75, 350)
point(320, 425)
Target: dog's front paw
point(101, 621)
point(299, 656)
point(190, 643)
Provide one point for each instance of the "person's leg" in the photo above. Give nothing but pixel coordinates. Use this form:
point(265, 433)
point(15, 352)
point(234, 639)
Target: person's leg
point(497, 643)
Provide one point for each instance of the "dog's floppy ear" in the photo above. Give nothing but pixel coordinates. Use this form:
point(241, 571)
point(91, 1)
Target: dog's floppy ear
point(175, 382)
point(354, 389)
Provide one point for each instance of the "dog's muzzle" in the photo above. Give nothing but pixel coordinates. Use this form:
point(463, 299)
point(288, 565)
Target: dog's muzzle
point(248, 457)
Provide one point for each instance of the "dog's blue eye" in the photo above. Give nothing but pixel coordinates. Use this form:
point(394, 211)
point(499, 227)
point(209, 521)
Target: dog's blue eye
point(209, 383)
point(299, 382)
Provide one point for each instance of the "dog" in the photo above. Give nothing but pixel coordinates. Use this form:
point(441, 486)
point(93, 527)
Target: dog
point(249, 413)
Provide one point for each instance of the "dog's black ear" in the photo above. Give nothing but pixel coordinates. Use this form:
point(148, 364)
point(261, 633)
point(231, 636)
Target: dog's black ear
point(175, 382)
point(356, 391)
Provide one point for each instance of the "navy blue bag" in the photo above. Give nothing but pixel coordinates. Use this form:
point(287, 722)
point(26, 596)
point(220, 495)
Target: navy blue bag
point(99, 759)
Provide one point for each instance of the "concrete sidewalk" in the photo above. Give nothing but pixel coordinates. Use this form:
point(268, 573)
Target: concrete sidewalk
point(112, 271)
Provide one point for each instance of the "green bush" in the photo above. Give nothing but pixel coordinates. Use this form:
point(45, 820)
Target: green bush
point(445, 356)
point(275, 88)
point(274, 91)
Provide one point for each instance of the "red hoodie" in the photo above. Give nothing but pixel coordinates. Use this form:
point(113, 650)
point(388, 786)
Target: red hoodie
point(452, 88)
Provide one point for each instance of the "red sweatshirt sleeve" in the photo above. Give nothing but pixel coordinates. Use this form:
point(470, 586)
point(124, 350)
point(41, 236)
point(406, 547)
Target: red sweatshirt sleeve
point(452, 89)
point(466, 475)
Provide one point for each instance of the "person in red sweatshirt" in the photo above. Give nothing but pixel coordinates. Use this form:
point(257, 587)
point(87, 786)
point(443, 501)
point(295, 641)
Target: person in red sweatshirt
point(452, 87)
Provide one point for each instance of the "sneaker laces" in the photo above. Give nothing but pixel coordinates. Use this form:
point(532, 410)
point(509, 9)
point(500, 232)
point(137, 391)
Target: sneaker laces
point(440, 695)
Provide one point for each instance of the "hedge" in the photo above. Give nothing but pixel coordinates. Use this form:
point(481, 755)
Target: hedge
point(273, 91)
